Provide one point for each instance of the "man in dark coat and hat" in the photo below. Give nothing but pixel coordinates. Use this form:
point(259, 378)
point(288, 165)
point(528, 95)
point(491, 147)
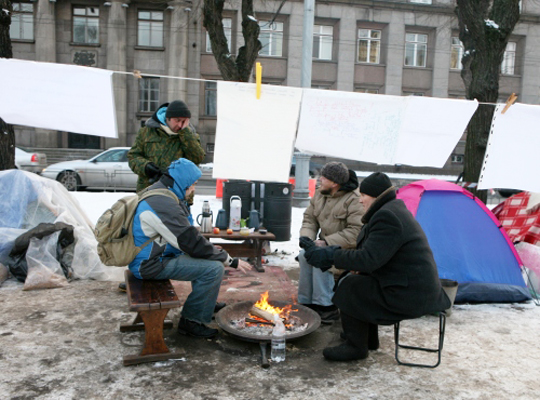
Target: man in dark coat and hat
point(391, 275)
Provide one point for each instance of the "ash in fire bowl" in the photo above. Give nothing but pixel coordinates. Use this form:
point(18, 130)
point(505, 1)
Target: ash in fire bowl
point(240, 321)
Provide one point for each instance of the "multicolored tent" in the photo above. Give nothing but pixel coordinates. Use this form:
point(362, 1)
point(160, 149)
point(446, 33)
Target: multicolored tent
point(468, 242)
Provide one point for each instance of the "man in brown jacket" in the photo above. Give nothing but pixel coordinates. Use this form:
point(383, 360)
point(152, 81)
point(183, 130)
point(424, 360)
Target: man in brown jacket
point(333, 218)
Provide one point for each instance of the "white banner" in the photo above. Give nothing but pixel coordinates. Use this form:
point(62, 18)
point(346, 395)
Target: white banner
point(58, 96)
point(511, 159)
point(255, 137)
point(418, 131)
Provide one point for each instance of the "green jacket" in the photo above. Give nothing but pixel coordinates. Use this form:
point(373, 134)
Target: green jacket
point(153, 144)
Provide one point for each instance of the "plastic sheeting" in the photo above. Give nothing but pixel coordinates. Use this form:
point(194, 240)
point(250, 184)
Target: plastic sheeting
point(27, 199)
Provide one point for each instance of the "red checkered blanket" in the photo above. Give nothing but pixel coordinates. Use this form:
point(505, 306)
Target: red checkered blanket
point(521, 225)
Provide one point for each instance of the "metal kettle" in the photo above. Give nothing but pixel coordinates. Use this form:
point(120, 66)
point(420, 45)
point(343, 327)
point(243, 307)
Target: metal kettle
point(205, 218)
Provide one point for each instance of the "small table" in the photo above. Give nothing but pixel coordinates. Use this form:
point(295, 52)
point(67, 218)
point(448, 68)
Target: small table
point(251, 245)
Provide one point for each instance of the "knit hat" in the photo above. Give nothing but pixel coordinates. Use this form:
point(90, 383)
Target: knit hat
point(336, 172)
point(375, 184)
point(178, 109)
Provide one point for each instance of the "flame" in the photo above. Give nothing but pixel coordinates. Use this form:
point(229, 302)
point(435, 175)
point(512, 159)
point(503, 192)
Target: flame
point(264, 305)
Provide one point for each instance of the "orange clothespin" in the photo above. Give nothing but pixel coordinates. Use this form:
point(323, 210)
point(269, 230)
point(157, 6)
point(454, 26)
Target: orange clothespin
point(511, 100)
point(137, 74)
point(258, 79)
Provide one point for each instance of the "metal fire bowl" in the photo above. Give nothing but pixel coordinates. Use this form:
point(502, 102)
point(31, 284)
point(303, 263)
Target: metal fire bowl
point(239, 310)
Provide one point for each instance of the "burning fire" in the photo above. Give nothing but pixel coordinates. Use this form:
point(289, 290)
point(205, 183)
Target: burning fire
point(265, 306)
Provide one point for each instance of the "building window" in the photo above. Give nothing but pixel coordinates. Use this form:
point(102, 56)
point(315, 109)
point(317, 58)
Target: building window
point(369, 45)
point(150, 28)
point(271, 38)
point(413, 93)
point(509, 59)
point(210, 147)
point(148, 94)
point(457, 158)
point(415, 50)
point(22, 22)
point(456, 54)
point(86, 25)
point(323, 36)
point(210, 99)
point(420, 1)
point(227, 29)
point(366, 90)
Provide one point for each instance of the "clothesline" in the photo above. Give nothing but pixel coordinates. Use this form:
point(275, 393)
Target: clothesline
point(138, 74)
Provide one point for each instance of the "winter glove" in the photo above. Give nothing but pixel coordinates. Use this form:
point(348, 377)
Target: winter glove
point(152, 171)
point(321, 257)
point(306, 242)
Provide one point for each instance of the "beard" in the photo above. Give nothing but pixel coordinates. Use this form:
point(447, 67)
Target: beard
point(326, 191)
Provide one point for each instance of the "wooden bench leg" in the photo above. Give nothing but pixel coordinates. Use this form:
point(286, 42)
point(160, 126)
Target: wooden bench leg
point(155, 348)
point(138, 325)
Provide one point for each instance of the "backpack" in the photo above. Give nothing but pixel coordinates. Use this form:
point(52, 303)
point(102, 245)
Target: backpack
point(114, 233)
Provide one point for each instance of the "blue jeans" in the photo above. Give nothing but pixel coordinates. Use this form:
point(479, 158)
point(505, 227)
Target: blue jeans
point(314, 285)
point(205, 277)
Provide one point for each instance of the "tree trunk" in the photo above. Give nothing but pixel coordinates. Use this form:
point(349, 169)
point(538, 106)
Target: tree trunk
point(484, 29)
point(7, 136)
point(232, 68)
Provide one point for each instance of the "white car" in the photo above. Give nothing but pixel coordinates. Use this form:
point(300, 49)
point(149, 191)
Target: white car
point(31, 162)
point(107, 171)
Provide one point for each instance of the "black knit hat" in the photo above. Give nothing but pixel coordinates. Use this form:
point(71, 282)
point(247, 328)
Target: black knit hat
point(375, 184)
point(178, 109)
point(336, 172)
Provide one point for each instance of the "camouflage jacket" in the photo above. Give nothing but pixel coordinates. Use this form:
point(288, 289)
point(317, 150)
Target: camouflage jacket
point(153, 144)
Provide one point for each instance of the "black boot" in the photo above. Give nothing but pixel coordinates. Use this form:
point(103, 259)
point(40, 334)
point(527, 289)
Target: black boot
point(356, 344)
point(373, 337)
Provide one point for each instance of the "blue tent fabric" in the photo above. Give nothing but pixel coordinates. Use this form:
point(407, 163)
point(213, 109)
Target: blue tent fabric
point(470, 249)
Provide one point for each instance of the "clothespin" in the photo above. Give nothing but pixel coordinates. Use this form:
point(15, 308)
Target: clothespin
point(509, 102)
point(137, 74)
point(258, 79)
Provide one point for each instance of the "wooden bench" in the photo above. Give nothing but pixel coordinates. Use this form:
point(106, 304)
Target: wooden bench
point(245, 246)
point(152, 300)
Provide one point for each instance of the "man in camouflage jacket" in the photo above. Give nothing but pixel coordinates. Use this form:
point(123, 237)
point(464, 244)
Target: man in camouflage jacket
point(166, 137)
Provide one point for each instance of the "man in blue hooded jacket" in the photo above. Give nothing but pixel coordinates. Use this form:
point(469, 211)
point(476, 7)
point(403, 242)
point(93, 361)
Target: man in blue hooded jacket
point(180, 252)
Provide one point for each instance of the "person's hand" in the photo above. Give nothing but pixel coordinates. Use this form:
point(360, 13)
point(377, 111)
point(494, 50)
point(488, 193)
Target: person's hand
point(306, 242)
point(244, 266)
point(320, 243)
point(321, 257)
point(152, 171)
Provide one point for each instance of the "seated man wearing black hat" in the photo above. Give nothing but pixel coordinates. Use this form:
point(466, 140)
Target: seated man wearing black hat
point(333, 218)
point(391, 275)
point(165, 137)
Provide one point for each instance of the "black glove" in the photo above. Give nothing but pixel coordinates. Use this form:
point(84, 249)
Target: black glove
point(152, 171)
point(321, 257)
point(306, 242)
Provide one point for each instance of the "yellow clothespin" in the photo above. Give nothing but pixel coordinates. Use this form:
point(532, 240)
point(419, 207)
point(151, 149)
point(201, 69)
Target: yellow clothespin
point(137, 74)
point(258, 79)
point(509, 102)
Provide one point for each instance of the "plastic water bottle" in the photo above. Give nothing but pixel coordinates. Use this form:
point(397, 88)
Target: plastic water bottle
point(277, 353)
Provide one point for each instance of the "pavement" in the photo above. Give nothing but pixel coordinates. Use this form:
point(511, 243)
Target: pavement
point(65, 344)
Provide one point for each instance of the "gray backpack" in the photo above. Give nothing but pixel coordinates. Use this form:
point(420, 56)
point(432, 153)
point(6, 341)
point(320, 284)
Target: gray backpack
point(114, 233)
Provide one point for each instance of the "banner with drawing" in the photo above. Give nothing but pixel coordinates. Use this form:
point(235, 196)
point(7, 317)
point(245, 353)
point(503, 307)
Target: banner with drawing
point(382, 129)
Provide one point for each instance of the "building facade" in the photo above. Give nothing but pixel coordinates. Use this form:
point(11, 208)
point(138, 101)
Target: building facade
point(407, 47)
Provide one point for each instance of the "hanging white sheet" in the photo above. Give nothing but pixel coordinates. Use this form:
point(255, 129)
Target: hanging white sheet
point(58, 96)
point(419, 131)
point(255, 137)
point(511, 159)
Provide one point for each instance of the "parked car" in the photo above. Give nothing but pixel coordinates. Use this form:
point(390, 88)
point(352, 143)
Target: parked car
point(30, 161)
point(108, 170)
point(314, 168)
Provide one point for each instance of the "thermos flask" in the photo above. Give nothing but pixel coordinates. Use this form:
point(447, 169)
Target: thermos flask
point(235, 212)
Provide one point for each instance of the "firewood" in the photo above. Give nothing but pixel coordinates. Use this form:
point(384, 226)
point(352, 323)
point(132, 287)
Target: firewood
point(262, 314)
